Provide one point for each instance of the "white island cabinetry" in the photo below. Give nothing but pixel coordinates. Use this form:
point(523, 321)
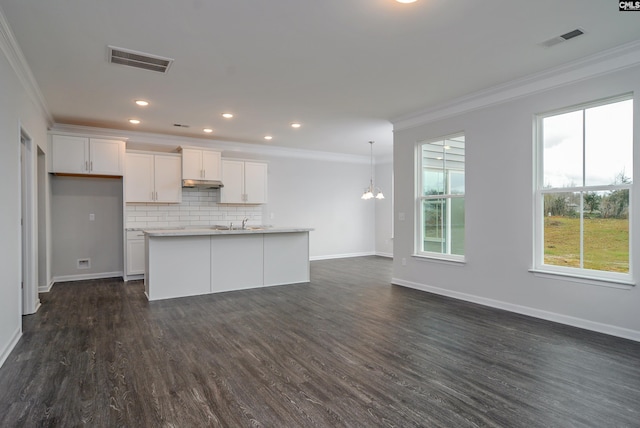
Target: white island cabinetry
point(190, 262)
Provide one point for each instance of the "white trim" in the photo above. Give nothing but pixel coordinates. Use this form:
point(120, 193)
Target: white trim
point(230, 148)
point(622, 283)
point(46, 288)
point(449, 259)
point(66, 278)
point(526, 310)
point(608, 61)
point(381, 254)
point(13, 53)
point(29, 228)
point(12, 344)
point(342, 256)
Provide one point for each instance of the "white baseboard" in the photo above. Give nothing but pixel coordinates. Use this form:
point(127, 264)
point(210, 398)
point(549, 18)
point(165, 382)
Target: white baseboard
point(65, 278)
point(388, 255)
point(342, 256)
point(45, 288)
point(525, 310)
point(12, 344)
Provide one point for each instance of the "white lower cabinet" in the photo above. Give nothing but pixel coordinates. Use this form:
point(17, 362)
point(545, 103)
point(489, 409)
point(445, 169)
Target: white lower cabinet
point(179, 266)
point(135, 252)
point(236, 262)
point(286, 258)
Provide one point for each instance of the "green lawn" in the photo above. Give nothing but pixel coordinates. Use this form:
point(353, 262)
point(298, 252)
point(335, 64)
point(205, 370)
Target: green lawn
point(606, 243)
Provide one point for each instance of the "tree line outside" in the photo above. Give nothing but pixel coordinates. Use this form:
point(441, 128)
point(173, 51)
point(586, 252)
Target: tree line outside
point(605, 229)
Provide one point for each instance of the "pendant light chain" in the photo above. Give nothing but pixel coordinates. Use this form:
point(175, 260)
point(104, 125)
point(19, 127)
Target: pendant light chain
point(369, 192)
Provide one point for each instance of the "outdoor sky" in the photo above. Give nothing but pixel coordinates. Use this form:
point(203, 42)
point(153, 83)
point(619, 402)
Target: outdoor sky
point(608, 146)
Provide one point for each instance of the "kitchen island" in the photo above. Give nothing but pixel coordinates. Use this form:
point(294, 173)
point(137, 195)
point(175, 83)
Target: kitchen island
point(195, 261)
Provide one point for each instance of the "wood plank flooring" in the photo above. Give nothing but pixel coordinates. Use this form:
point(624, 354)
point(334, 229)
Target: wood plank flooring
point(348, 349)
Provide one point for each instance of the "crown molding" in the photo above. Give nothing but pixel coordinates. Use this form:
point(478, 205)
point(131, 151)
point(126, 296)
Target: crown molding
point(605, 62)
point(165, 142)
point(13, 53)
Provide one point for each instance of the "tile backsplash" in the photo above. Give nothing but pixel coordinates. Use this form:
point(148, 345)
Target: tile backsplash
point(199, 207)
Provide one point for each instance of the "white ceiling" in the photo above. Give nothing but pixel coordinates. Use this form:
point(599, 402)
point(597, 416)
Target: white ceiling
point(343, 69)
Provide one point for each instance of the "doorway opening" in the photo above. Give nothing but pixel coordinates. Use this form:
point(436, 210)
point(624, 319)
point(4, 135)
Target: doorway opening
point(30, 301)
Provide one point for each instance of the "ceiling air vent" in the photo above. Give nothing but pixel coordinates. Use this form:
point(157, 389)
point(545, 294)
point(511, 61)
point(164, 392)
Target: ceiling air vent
point(138, 59)
point(563, 38)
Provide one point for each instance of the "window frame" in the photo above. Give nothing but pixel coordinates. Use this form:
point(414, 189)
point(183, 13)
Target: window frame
point(591, 276)
point(420, 198)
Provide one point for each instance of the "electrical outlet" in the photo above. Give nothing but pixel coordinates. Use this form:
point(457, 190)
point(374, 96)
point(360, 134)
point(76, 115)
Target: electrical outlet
point(404, 261)
point(92, 217)
point(400, 216)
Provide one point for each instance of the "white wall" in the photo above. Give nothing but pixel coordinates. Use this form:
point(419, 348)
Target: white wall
point(16, 110)
point(324, 195)
point(384, 209)
point(499, 162)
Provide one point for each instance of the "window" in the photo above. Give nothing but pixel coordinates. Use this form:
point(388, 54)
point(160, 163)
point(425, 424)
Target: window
point(583, 190)
point(440, 198)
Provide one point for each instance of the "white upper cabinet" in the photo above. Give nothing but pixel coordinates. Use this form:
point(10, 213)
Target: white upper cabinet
point(244, 182)
point(255, 182)
point(198, 164)
point(153, 178)
point(83, 155)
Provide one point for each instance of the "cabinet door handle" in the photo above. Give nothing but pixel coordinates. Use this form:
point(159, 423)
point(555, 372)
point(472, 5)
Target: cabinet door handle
point(86, 166)
point(91, 166)
point(152, 196)
point(156, 196)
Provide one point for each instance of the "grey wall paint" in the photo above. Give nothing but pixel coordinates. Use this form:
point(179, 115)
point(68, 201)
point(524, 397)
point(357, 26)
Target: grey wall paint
point(325, 196)
point(384, 209)
point(74, 236)
point(16, 110)
point(499, 214)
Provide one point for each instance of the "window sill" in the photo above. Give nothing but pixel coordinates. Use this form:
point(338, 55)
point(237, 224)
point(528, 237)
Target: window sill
point(441, 259)
point(583, 279)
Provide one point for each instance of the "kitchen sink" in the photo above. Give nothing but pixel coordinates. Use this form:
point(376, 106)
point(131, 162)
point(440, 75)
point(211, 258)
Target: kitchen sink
point(221, 227)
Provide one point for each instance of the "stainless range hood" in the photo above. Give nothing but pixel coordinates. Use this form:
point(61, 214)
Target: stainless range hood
point(203, 184)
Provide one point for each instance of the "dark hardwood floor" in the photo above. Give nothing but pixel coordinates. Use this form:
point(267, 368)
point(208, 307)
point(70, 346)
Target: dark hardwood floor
point(348, 349)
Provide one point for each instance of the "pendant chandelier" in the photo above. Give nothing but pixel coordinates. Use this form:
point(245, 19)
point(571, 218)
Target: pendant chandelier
point(371, 191)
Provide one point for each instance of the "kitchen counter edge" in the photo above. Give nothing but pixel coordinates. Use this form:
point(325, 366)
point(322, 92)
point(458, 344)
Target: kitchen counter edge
point(208, 231)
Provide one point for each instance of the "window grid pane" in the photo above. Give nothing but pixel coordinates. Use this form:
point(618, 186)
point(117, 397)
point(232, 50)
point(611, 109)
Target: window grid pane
point(586, 177)
point(441, 196)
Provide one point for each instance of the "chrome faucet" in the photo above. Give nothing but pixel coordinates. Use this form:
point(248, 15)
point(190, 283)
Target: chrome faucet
point(244, 222)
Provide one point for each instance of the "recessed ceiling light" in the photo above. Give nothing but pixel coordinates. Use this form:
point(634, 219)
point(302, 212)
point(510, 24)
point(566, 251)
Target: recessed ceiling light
point(134, 121)
point(142, 103)
point(406, 1)
point(296, 125)
point(208, 130)
point(268, 137)
point(227, 115)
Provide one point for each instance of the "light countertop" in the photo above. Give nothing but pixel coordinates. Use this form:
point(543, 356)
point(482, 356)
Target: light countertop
point(205, 230)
